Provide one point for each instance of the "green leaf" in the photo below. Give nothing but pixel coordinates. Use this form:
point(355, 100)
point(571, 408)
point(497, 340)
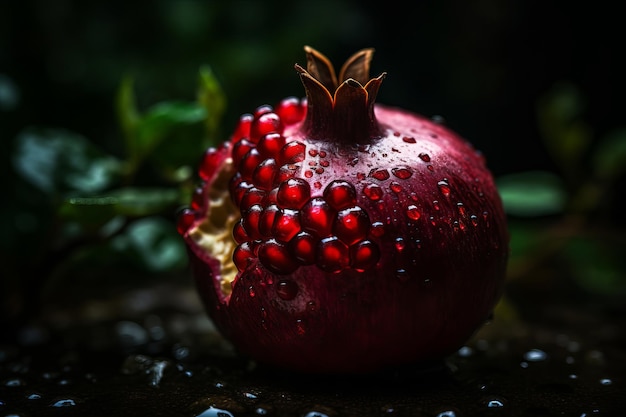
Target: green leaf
point(609, 159)
point(57, 161)
point(127, 115)
point(131, 202)
point(213, 99)
point(156, 243)
point(532, 193)
point(165, 120)
point(565, 134)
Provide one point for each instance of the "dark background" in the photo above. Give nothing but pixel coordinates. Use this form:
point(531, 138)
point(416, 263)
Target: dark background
point(480, 64)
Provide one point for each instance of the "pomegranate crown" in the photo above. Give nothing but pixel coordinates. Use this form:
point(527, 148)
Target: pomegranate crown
point(340, 109)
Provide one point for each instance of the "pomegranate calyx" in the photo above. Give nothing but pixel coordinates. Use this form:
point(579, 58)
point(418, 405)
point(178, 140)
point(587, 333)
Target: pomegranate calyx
point(340, 109)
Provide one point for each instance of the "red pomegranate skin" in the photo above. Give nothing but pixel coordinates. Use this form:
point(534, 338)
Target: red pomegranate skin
point(336, 235)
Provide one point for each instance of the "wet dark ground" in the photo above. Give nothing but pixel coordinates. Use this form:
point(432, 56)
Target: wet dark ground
point(136, 355)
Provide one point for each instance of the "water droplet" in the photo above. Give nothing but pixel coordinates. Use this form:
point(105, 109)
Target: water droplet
point(412, 212)
point(461, 208)
point(402, 274)
point(373, 191)
point(449, 413)
point(495, 404)
point(535, 355)
point(251, 291)
point(313, 152)
point(408, 139)
point(308, 174)
point(400, 244)
point(215, 412)
point(300, 329)
point(424, 157)
point(322, 154)
point(606, 381)
point(64, 403)
point(379, 174)
point(325, 164)
point(287, 289)
point(430, 168)
point(395, 187)
point(444, 187)
point(402, 172)
point(377, 229)
point(474, 220)
point(465, 352)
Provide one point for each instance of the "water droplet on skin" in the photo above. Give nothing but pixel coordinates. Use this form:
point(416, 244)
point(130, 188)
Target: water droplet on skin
point(436, 205)
point(322, 154)
point(287, 289)
point(400, 244)
point(606, 381)
point(317, 185)
point(402, 275)
point(373, 191)
point(379, 174)
point(402, 172)
point(412, 212)
point(377, 229)
point(395, 187)
point(424, 157)
point(300, 329)
point(444, 187)
point(325, 164)
point(251, 291)
point(308, 174)
point(313, 152)
point(408, 139)
point(474, 220)
point(461, 208)
point(430, 168)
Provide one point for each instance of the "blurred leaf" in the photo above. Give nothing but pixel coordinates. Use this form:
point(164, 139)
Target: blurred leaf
point(163, 127)
point(610, 157)
point(131, 202)
point(525, 238)
point(532, 193)
point(127, 115)
point(597, 266)
point(213, 99)
point(565, 134)
point(56, 160)
point(155, 242)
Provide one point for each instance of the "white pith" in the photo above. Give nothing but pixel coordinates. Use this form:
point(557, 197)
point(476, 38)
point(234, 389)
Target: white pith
point(214, 233)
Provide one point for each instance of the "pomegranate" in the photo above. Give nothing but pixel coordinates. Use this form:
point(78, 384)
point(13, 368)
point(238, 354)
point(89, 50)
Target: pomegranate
point(336, 235)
